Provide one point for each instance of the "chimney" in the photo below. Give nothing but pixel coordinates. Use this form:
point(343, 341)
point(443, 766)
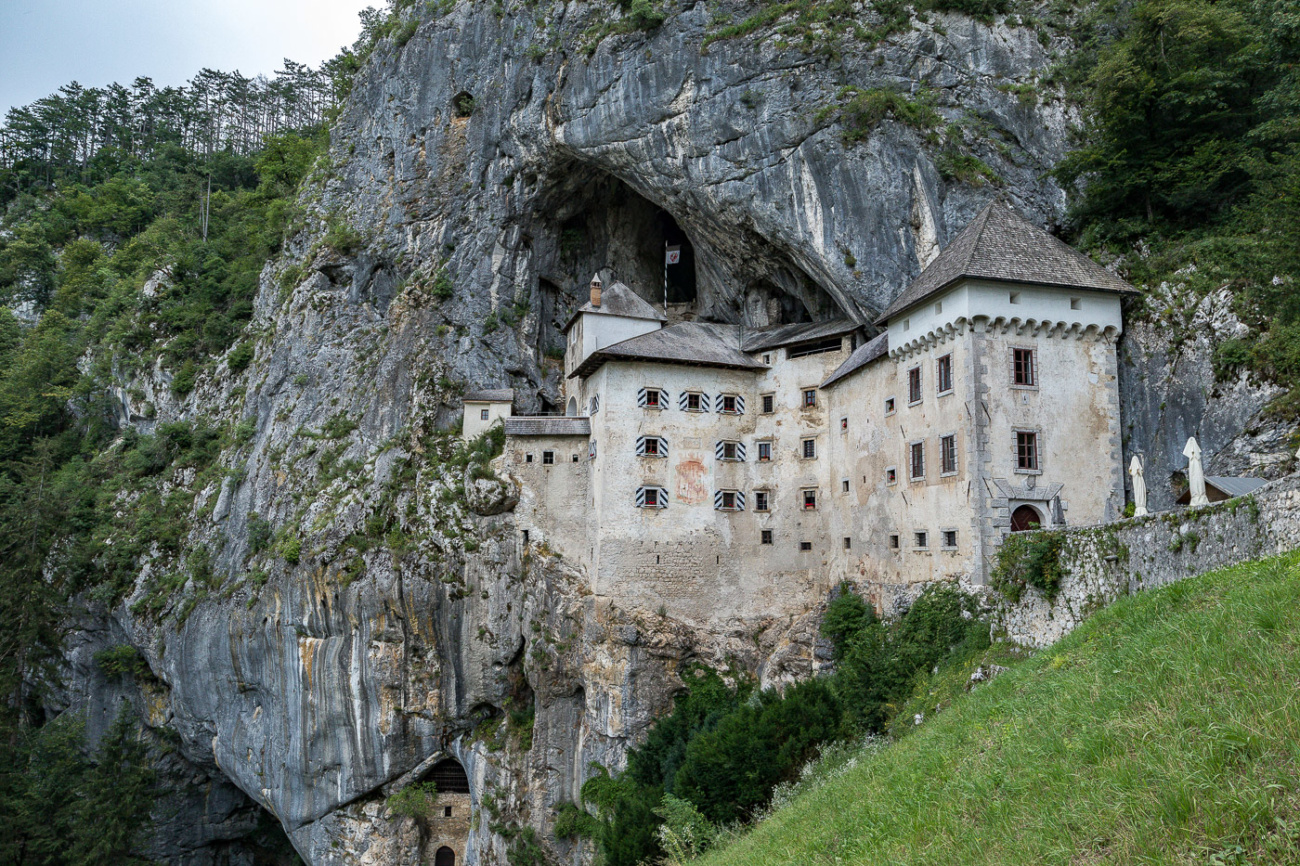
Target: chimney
point(595, 290)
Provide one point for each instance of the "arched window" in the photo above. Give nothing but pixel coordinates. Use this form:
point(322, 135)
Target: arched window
point(1026, 517)
point(444, 857)
point(572, 409)
point(449, 777)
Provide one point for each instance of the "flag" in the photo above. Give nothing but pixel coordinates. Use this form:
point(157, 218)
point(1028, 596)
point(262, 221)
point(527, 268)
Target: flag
point(672, 255)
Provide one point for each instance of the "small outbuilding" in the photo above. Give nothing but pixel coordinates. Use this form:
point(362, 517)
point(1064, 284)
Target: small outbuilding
point(1220, 487)
point(483, 409)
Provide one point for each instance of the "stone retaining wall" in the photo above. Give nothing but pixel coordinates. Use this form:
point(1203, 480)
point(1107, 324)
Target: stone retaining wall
point(1104, 562)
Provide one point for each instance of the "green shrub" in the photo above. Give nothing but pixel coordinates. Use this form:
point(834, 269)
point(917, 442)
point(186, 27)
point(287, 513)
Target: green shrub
point(185, 378)
point(406, 31)
point(1029, 559)
point(845, 618)
point(120, 661)
point(861, 110)
point(240, 357)
point(342, 238)
point(442, 285)
point(571, 822)
point(259, 533)
point(965, 168)
point(645, 15)
point(414, 801)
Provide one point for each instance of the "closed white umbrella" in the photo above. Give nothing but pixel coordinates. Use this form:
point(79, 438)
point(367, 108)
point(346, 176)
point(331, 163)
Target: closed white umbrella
point(1195, 473)
point(1139, 488)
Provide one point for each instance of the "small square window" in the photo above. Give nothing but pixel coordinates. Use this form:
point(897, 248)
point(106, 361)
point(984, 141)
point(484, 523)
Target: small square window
point(446, 811)
point(1022, 368)
point(920, 540)
point(844, 486)
point(844, 425)
point(575, 458)
point(889, 405)
point(528, 458)
point(943, 374)
point(760, 500)
point(809, 500)
point(914, 386)
point(728, 450)
point(769, 404)
point(1076, 303)
point(652, 446)
point(765, 536)
point(1026, 451)
point(548, 458)
point(948, 455)
point(652, 398)
point(652, 497)
point(764, 452)
point(482, 414)
point(805, 546)
point(893, 541)
point(891, 475)
point(810, 449)
point(918, 460)
point(949, 537)
point(1014, 297)
point(728, 501)
point(728, 405)
point(848, 543)
point(809, 397)
point(692, 402)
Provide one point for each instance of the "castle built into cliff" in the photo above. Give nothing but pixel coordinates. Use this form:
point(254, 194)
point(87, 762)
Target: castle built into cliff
point(711, 471)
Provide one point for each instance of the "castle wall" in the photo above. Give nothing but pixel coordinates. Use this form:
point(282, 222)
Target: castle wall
point(554, 505)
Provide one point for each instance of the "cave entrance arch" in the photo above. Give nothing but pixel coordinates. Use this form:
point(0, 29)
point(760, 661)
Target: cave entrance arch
point(449, 777)
point(681, 275)
point(1026, 518)
point(444, 857)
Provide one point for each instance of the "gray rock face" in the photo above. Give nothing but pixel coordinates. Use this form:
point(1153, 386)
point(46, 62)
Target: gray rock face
point(408, 624)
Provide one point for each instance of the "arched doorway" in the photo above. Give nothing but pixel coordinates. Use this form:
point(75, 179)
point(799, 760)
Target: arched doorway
point(1025, 518)
point(572, 409)
point(444, 857)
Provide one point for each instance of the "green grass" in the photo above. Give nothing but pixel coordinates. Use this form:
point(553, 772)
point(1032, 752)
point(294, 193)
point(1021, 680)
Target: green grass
point(1166, 729)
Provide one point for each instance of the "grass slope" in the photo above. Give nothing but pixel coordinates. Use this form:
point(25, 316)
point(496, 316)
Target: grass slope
point(1165, 730)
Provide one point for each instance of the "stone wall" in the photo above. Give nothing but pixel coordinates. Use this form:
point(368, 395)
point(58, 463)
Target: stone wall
point(1105, 562)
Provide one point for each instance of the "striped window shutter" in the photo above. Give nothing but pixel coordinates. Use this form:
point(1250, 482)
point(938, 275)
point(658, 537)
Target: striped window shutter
point(740, 500)
point(740, 451)
point(641, 397)
point(595, 404)
point(663, 497)
point(740, 404)
point(718, 450)
point(640, 446)
point(718, 402)
point(717, 500)
point(640, 497)
point(704, 402)
point(681, 401)
point(663, 447)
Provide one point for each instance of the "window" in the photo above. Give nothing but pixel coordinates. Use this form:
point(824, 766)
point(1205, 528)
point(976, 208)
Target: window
point(1026, 451)
point(595, 405)
point(948, 539)
point(1014, 297)
point(482, 414)
point(591, 450)
point(760, 500)
point(767, 359)
point(528, 458)
point(764, 452)
point(848, 543)
point(729, 500)
point(446, 811)
point(809, 449)
point(891, 475)
point(893, 541)
point(1076, 303)
point(918, 460)
point(651, 497)
point(920, 540)
point(651, 398)
point(765, 536)
point(943, 374)
point(1022, 368)
point(914, 386)
point(651, 446)
point(575, 458)
point(809, 397)
point(548, 458)
point(948, 455)
point(844, 486)
point(769, 404)
point(731, 404)
point(729, 451)
point(805, 546)
point(693, 401)
point(844, 425)
point(889, 405)
point(907, 324)
point(810, 500)
point(525, 538)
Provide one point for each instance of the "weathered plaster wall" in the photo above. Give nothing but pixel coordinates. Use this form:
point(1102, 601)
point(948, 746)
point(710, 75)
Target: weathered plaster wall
point(1105, 562)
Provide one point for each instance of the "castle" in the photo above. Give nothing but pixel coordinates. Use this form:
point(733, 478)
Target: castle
point(711, 471)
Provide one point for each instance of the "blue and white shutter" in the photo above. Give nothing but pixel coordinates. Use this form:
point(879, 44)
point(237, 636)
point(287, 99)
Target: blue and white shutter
point(641, 498)
point(740, 500)
point(642, 440)
point(704, 402)
point(740, 451)
point(740, 403)
point(720, 451)
point(717, 499)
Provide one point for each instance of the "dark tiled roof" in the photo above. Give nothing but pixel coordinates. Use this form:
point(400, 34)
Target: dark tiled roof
point(619, 300)
point(789, 335)
point(699, 343)
point(1000, 245)
point(556, 425)
point(861, 357)
point(1229, 485)
point(496, 395)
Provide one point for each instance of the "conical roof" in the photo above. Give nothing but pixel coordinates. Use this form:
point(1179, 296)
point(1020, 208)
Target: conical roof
point(1001, 245)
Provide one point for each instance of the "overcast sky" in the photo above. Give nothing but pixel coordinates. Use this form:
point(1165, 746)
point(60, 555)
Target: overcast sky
point(47, 43)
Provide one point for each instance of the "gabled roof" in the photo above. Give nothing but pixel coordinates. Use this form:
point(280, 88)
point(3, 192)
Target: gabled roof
point(804, 332)
point(1001, 245)
point(619, 300)
point(862, 356)
point(1229, 486)
point(555, 425)
point(697, 343)
point(492, 395)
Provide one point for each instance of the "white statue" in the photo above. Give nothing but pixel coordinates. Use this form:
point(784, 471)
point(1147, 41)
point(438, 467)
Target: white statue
point(1195, 473)
point(1139, 488)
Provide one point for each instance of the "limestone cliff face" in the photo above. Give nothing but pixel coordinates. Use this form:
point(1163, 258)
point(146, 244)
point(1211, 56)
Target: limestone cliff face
point(406, 626)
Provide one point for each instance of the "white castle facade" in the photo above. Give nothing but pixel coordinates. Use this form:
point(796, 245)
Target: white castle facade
point(714, 472)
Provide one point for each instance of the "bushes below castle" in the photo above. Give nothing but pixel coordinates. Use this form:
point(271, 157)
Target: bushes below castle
point(717, 758)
